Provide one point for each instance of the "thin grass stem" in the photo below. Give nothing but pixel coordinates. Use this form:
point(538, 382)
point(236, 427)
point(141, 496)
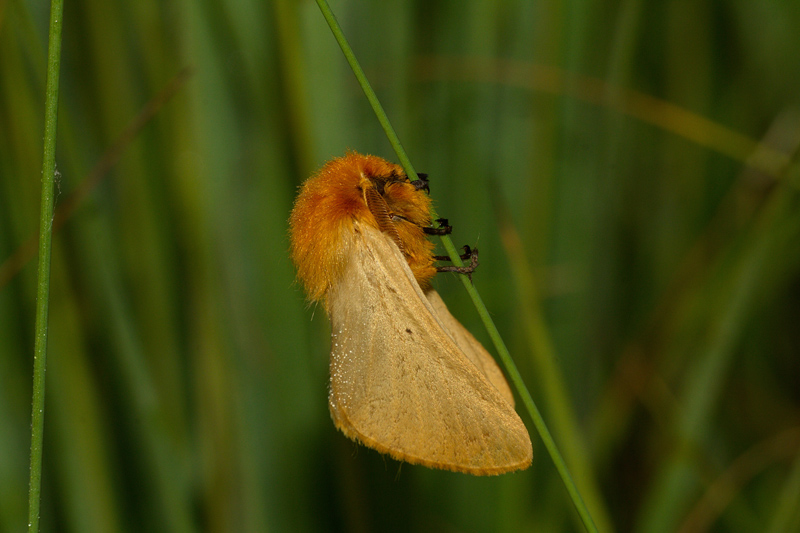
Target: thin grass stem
point(45, 245)
point(503, 352)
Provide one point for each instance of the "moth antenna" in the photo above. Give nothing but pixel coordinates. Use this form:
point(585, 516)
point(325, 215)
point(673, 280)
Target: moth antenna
point(379, 209)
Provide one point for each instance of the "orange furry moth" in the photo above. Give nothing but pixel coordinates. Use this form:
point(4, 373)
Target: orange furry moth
point(406, 378)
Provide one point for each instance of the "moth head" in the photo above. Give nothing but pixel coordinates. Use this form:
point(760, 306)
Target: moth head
point(406, 200)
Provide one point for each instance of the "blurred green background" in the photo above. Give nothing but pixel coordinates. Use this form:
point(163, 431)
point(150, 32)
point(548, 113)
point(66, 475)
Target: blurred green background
point(628, 170)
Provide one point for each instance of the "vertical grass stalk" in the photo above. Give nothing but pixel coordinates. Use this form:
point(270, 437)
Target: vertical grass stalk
point(43, 278)
point(505, 356)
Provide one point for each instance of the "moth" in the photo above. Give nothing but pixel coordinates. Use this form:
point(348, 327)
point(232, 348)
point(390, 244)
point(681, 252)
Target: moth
point(406, 378)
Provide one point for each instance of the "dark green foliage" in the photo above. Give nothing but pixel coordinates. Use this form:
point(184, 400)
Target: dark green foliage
point(641, 263)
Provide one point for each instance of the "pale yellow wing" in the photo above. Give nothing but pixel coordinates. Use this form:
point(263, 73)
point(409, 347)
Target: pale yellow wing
point(400, 384)
point(473, 349)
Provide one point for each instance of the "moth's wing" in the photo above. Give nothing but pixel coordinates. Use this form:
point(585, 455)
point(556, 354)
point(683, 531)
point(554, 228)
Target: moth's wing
point(400, 384)
point(473, 349)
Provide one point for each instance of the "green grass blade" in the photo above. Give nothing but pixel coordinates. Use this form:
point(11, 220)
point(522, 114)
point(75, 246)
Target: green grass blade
point(502, 350)
point(554, 388)
point(45, 246)
point(787, 512)
point(678, 478)
point(373, 99)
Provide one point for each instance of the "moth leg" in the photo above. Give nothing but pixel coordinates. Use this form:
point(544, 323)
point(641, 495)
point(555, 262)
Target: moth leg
point(466, 255)
point(422, 183)
point(443, 229)
point(469, 253)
